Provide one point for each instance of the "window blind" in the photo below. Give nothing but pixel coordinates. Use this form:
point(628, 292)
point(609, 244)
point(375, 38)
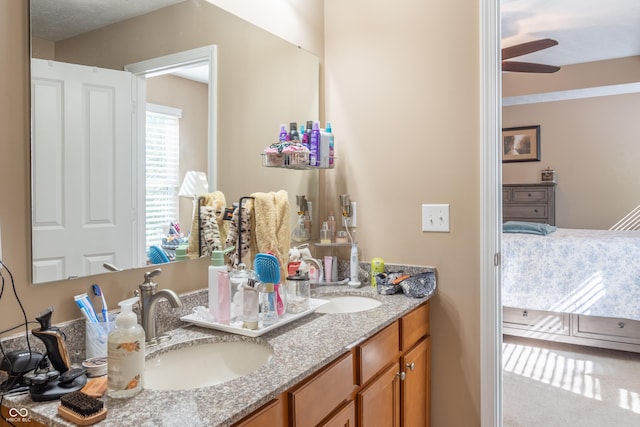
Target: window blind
point(162, 156)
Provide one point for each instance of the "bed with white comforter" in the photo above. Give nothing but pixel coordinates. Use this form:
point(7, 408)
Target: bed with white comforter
point(589, 272)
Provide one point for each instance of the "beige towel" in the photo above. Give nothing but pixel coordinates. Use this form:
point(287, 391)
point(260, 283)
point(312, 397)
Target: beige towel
point(218, 202)
point(271, 230)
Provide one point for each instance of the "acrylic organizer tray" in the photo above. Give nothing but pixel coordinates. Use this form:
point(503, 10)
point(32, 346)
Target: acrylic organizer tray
point(236, 327)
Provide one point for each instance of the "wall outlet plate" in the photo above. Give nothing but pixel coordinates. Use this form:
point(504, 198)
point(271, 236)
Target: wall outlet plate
point(435, 218)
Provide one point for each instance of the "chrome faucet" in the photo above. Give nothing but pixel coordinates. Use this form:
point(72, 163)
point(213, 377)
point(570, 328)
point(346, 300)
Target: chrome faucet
point(318, 265)
point(149, 297)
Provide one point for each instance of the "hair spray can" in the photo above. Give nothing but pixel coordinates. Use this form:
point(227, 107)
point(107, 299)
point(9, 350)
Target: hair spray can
point(377, 266)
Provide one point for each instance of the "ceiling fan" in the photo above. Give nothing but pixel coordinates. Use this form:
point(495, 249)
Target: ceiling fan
point(523, 49)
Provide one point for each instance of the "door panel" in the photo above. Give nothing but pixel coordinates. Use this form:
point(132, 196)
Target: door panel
point(82, 170)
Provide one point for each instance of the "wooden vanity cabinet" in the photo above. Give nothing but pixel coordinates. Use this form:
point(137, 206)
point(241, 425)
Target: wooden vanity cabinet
point(399, 395)
point(383, 381)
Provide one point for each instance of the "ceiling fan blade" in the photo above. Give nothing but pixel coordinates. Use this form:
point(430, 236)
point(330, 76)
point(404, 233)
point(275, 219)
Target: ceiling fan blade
point(528, 67)
point(528, 47)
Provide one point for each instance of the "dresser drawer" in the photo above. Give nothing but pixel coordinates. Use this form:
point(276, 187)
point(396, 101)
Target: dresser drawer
point(525, 211)
point(537, 320)
point(527, 195)
point(625, 330)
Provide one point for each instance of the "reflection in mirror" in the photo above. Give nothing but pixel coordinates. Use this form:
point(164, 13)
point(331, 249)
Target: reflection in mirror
point(89, 186)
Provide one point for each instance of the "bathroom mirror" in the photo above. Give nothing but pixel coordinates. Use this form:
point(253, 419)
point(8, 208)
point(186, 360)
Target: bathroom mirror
point(261, 82)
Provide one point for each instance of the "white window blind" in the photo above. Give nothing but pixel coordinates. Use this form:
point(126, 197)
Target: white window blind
point(162, 155)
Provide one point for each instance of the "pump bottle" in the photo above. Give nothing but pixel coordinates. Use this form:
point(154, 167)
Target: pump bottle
point(217, 264)
point(125, 353)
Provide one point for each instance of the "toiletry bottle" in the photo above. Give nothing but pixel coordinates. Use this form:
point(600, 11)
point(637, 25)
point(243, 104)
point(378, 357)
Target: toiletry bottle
point(314, 145)
point(293, 132)
point(269, 314)
point(217, 264)
point(238, 279)
point(125, 353)
point(377, 267)
point(299, 233)
point(284, 135)
point(325, 234)
point(328, 268)
point(331, 222)
point(306, 134)
point(307, 130)
point(223, 315)
point(250, 304)
point(329, 131)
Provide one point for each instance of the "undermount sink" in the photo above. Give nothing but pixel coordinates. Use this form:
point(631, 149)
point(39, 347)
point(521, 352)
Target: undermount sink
point(347, 304)
point(204, 365)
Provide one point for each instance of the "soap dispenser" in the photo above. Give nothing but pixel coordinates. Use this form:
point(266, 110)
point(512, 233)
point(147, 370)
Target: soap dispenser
point(125, 353)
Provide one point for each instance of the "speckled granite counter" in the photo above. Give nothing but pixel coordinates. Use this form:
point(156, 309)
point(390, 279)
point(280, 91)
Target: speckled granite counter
point(299, 349)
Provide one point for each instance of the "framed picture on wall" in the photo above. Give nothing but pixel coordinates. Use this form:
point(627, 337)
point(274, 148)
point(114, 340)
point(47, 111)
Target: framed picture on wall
point(521, 144)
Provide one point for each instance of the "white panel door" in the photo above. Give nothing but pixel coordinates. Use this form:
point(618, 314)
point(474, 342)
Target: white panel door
point(81, 170)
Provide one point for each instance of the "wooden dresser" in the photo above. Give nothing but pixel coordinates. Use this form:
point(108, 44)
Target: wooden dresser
point(529, 202)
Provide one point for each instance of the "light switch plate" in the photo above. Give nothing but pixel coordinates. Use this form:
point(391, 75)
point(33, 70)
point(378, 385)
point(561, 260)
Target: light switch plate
point(435, 218)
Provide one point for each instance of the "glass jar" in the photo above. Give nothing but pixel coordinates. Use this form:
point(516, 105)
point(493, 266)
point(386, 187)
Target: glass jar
point(298, 292)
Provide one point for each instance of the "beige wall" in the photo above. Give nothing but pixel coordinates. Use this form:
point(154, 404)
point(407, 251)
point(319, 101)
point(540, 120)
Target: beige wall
point(592, 143)
point(404, 105)
point(405, 109)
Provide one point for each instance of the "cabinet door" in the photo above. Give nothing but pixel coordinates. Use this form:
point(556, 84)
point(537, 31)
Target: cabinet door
point(346, 417)
point(379, 402)
point(415, 387)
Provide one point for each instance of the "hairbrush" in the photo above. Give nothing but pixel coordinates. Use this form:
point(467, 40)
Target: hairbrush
point(81, 409)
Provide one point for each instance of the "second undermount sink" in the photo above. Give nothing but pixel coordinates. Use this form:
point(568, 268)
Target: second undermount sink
point(204, 365)
point(347, 304)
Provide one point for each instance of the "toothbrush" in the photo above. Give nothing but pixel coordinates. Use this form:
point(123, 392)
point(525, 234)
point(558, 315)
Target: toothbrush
point(83, 302)
point(97, 291)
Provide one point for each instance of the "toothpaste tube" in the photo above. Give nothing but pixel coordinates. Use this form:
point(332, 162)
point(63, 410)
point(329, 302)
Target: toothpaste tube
point(83, 302)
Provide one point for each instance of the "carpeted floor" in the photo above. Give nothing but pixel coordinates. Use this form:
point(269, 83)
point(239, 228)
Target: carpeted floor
point(550, 384)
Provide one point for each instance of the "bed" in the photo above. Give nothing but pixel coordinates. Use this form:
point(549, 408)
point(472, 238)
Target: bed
point(577, 286)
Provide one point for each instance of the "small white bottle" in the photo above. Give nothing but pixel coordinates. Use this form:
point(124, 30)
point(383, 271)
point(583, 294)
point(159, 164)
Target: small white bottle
point(217, 264)
point(125, 353)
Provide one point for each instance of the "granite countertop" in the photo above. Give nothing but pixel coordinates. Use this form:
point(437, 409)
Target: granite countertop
point(299, 349)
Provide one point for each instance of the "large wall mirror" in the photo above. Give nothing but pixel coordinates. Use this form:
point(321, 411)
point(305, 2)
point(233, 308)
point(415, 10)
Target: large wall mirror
point(80, 164)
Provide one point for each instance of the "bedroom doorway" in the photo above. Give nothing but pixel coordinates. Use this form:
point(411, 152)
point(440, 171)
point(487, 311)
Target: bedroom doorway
point(527, 363)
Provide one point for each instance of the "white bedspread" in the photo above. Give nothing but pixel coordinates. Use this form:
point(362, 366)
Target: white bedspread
point(595, 272)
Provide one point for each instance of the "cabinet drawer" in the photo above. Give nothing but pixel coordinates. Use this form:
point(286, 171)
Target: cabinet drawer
point(625, 330)
point(313, 400)
point(525, 195)
point(414, 326)
point(269, 415)
point(525, 211)
point(377, 352)
point(536, 320)
point(506, 195)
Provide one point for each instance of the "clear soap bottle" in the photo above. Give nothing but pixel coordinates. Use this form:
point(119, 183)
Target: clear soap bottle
point(125, 353)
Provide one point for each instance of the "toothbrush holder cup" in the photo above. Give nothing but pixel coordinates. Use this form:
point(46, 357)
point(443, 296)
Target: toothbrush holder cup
point(96, 336)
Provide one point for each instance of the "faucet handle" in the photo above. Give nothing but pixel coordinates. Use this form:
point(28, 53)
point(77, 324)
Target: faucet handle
point(148, 283)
